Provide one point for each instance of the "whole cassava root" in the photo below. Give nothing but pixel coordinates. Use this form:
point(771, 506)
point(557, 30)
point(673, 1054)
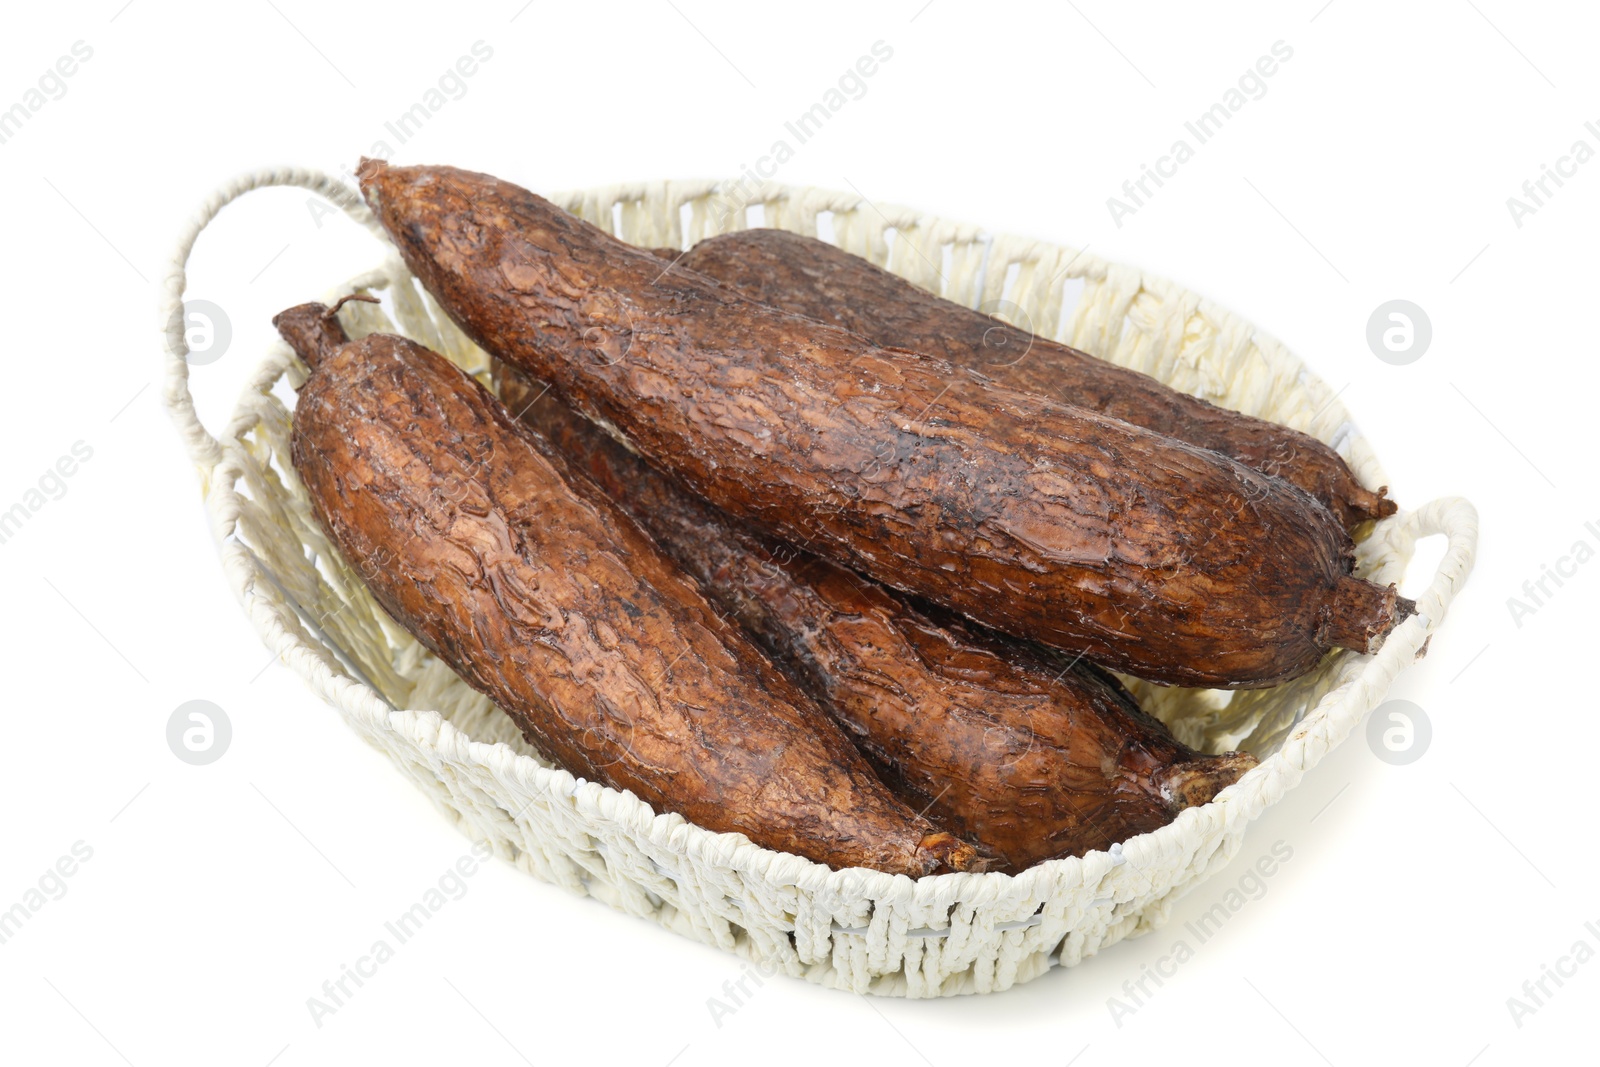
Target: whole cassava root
point(566, 614)
point(811, 277)
point(1050, 522)
point(1027, 761)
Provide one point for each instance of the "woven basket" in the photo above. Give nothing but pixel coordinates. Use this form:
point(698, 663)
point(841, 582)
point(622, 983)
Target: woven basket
point(856, 929)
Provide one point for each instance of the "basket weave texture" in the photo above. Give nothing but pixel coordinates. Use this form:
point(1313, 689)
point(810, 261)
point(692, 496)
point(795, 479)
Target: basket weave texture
point(859, 930)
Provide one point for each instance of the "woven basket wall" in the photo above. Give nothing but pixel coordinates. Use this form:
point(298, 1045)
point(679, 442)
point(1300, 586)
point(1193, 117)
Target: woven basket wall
point(856, 929)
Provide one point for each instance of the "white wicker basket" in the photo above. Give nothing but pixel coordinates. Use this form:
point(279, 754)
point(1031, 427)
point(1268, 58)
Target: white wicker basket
point(856, 929)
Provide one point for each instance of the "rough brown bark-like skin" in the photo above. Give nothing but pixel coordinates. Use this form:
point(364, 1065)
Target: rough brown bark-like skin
point(1047, 521)
point(1025, 760)
point(814, 278)
point(565, 613)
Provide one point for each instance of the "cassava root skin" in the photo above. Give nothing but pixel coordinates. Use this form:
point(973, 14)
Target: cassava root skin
point(567, 615)
point(1026, 761)
point(814, 278)
point(1053, 523)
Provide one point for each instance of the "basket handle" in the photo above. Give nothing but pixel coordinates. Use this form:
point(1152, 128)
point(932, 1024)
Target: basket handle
point(1457, 520)
point(205, 449)
point(1340, 711)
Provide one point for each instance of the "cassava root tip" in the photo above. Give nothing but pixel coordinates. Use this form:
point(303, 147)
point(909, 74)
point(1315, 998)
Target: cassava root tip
point(365, 298)
point(952, 853)
point(1362, 613)
point(1198, 781)
point(312, 331)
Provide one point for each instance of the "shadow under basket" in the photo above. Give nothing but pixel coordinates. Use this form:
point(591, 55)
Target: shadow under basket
point(856, 929)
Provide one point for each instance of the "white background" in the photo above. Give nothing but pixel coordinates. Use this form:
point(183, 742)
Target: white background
point(1376, 166)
